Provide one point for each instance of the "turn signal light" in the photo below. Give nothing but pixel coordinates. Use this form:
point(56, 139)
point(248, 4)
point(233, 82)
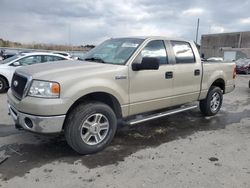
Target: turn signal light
point(55, 88)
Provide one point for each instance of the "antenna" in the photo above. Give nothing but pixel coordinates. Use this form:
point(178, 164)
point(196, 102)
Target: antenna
point(197, 30)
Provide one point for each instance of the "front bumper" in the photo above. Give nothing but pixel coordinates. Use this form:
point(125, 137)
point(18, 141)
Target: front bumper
point(38, 124)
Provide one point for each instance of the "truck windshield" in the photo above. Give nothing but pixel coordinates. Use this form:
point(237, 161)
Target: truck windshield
point(114, 51)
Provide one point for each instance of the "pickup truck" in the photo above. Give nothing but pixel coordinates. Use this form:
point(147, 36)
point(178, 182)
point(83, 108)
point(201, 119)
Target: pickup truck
point(130, 80)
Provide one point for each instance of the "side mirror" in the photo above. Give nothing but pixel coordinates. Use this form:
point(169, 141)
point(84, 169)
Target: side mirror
point(16, 64)
point(148, 63)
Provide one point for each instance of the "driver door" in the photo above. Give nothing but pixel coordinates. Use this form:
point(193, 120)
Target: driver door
point(151, 89)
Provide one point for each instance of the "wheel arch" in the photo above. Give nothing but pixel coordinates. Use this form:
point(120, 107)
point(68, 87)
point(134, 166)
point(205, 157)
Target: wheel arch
point(219, 82)
point(103, 97)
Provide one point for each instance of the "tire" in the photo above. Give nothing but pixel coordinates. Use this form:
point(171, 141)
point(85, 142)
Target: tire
point(3, 85)
point(90, 127)
point(212, 103)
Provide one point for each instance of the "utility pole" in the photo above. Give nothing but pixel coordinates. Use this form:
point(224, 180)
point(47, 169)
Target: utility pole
point(197, 30)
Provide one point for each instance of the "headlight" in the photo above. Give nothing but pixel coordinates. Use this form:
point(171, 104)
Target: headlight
point(44, 89)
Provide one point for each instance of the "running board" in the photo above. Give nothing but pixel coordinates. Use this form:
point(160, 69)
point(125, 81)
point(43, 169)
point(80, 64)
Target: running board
point(159, 115)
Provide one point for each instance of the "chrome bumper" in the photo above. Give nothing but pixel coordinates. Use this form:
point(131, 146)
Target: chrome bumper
point(38, 124)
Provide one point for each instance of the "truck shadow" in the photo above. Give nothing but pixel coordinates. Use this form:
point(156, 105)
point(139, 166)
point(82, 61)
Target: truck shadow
point(128, 140)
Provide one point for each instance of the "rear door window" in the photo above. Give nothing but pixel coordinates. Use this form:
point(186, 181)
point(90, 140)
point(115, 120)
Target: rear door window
point(48, 58)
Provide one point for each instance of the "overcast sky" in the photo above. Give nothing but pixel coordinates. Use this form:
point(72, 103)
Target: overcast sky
point(90, 21)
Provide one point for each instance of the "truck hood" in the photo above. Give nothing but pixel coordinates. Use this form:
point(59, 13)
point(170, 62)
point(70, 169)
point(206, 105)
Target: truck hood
point(56, 70)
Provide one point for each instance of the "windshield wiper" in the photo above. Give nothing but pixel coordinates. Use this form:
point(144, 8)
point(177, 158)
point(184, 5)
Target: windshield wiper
point(95, 59)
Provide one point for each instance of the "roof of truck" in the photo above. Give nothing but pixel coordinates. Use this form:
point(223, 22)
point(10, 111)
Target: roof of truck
point(157, 37)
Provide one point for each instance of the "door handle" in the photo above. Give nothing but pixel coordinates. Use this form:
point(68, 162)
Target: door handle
point(168, 75)
point(197, 72)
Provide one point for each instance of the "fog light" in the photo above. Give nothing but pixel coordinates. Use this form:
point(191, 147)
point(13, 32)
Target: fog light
point(28, 122)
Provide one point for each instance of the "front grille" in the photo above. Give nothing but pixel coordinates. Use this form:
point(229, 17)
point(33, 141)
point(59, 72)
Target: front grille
point(18, 85)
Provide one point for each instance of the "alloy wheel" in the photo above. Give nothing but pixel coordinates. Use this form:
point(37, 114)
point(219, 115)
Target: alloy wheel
point(215, 102)
point(94, 129)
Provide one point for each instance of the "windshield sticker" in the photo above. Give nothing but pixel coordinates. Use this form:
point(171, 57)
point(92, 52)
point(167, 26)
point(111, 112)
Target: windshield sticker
point(129, 45)
point(111, 46)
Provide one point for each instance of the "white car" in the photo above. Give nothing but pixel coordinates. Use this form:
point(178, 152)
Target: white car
point(9, 65)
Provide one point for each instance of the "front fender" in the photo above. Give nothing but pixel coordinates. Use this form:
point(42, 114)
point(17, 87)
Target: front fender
point(116, 88)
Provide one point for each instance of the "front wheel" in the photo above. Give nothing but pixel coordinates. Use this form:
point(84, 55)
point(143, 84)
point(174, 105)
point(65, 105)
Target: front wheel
point(212, 103)
point(90, 127)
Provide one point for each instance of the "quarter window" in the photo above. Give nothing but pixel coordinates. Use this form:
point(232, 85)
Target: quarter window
point(183, 52)
point(56, 58)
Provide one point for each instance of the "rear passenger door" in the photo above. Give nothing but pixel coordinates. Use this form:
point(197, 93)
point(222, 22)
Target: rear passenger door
point(187, 72)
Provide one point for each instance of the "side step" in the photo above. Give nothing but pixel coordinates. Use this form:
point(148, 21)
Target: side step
point(159, 115)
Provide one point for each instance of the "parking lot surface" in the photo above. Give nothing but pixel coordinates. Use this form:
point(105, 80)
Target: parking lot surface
point(183, 150)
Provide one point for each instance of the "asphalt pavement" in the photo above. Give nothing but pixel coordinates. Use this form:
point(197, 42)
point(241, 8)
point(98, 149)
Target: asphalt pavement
point(183, 150)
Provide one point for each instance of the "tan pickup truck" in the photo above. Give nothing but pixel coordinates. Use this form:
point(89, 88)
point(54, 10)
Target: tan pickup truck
point(127, 79)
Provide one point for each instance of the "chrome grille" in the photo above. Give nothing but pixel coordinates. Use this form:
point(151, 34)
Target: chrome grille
point(18, 85)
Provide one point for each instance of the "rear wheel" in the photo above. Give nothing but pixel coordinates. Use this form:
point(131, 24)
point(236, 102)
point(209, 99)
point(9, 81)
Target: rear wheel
point(212, 104)
point(90, 127)
point(3, 85)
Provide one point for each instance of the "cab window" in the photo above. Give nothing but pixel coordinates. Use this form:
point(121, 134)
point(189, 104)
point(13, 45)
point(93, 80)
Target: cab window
point(183, 52)
point(155, 49)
